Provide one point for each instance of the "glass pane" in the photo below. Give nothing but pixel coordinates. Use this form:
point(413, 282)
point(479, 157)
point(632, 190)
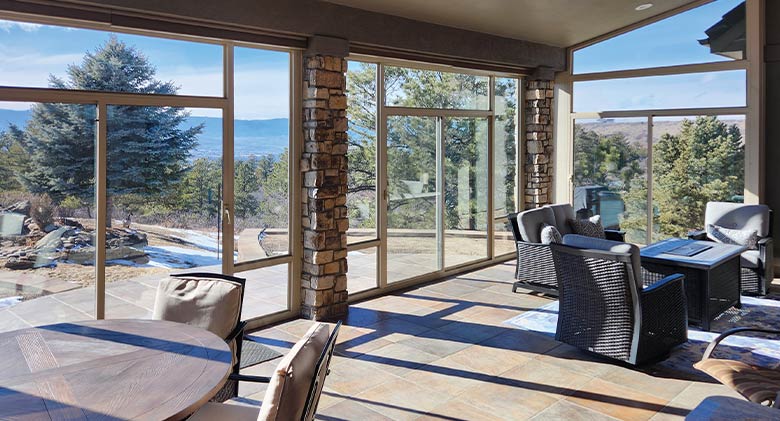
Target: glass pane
point(266, 291)
point(361, 178)
point(505, 147)
point(696, 90)
point(695, 160)
point(47, 213)
point(610, 167)
point(504, 242)
point(713, 32)
point(405, 87)
point(60, 57)
point(164, 169)
point(465, 190)
point(362, 270)
point(262, 159)
point(412, 238)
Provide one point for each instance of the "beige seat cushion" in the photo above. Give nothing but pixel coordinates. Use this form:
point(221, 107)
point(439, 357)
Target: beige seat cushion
point(757, 384)
point(228, 411)
point(208, 303)
point(286, 395)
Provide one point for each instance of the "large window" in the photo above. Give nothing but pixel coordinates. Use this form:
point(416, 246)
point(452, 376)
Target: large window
point(433, 204)
point(651, 150)
point(136, 162)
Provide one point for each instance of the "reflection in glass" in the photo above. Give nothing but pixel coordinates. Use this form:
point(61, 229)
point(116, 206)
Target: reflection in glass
point(505, 147)
point(164, 194)
point(47, 213)
point(610, 174)
point(412, 238)
point(361, 154)
point(465, 190)
point(261, 154)
point(266, 290)
point(362, 270)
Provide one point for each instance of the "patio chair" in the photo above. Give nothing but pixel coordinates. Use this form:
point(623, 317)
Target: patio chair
point(211, 301)
point(293, 390)
point(534, 268)
point(757, 268)
point(603, 307)
point(757, 384)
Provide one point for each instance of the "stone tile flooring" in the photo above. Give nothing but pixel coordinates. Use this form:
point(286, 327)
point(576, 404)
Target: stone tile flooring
point(441, 352)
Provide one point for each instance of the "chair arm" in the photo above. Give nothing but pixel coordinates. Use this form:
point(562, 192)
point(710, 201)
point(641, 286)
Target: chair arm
point(671, 282)
point(697, 235)
point(253, 379)
point(615, 235)
point(237, 332)
point(711, 347)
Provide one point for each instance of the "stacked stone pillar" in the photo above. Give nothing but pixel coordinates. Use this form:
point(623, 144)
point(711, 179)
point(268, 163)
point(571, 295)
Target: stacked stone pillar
point(324, 196)
point(538, 143)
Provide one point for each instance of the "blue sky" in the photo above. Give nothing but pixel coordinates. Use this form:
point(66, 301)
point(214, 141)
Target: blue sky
point(668, 42)
point(30, 52)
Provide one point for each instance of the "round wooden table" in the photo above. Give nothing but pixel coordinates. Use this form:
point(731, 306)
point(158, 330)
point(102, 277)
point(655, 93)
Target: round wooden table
point(110, 369)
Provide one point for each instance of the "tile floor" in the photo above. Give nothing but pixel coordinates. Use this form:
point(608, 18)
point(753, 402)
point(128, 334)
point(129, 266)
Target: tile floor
point(441, 352)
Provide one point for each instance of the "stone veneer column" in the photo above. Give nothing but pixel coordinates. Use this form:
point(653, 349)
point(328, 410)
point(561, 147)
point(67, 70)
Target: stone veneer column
point(538, 142)
point(324, 196)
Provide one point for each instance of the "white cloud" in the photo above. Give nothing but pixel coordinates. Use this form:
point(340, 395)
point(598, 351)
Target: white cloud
point(7, 26)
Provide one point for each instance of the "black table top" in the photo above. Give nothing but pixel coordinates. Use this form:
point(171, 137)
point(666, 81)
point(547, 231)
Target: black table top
point(715, 255)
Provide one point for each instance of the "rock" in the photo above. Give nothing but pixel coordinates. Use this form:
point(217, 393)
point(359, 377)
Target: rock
point(16, 263)
point(86, 255)
point(22, 207)
point(53, 240)
point(71, 223)
point(49, 228)
point(11, 223)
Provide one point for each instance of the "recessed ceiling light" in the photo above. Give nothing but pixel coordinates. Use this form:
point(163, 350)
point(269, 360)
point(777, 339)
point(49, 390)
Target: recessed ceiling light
point(644, 6)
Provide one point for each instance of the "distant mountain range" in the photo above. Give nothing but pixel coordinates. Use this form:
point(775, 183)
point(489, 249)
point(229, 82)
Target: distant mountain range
point(252, 137)
point(636, 131)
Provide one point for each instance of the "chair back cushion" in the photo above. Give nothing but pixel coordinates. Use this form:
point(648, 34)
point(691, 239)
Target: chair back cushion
point(563, 212)
point(747, 238)
point(212, 304)
point(285, 398)
point(583, 242)
point(738, 216)
point(529, 223)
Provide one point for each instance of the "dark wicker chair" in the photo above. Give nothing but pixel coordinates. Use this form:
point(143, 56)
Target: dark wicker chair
point(757, 265)
point(757, 384)
point(234, 338)
point(534, 270)
point(604, 308)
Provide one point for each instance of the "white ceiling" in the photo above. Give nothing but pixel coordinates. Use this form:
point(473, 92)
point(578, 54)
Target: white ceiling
point(559, 23)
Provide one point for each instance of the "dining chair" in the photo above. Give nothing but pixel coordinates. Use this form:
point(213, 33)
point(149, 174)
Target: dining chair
point(294, 388)
point(211, 301)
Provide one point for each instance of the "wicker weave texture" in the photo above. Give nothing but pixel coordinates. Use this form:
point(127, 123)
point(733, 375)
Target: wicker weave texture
point(535, 265)
point(596, 311)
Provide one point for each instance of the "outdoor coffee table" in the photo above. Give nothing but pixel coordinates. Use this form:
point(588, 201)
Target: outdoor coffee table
point(712, 277)
point(109, 369)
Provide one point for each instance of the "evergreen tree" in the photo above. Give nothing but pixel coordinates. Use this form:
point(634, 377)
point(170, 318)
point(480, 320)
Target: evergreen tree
point(147, 148)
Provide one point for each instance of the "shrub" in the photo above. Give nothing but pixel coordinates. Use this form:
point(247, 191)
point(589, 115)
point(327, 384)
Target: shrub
point(42, 210)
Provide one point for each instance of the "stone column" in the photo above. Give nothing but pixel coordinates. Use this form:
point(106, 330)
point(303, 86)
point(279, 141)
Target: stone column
point(538, 142)
point(324, 196)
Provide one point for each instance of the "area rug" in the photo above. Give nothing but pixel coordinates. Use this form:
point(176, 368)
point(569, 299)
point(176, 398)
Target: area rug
point(254, 353)
point(756, 349)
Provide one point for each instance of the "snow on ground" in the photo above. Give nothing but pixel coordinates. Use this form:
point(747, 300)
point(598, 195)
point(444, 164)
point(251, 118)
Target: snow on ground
point(9, 301)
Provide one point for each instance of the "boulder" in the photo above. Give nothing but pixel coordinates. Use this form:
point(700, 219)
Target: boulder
point(18, 263)
point(22, 207)
point(11, 223)
point(53, 240)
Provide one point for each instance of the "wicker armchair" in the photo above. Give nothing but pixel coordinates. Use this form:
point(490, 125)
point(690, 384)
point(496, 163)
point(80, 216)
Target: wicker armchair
point(294, 389)
point(604, 308)
point(211, 301)
point(757, 384)
point(757, 268)
point(535, 269)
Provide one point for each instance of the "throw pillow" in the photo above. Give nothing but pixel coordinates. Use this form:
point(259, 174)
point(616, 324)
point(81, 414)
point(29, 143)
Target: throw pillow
point(747, 238)
point(550, 234)
point(590, 227)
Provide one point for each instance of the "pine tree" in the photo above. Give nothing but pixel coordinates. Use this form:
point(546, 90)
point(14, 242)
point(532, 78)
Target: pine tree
point(147, 148)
